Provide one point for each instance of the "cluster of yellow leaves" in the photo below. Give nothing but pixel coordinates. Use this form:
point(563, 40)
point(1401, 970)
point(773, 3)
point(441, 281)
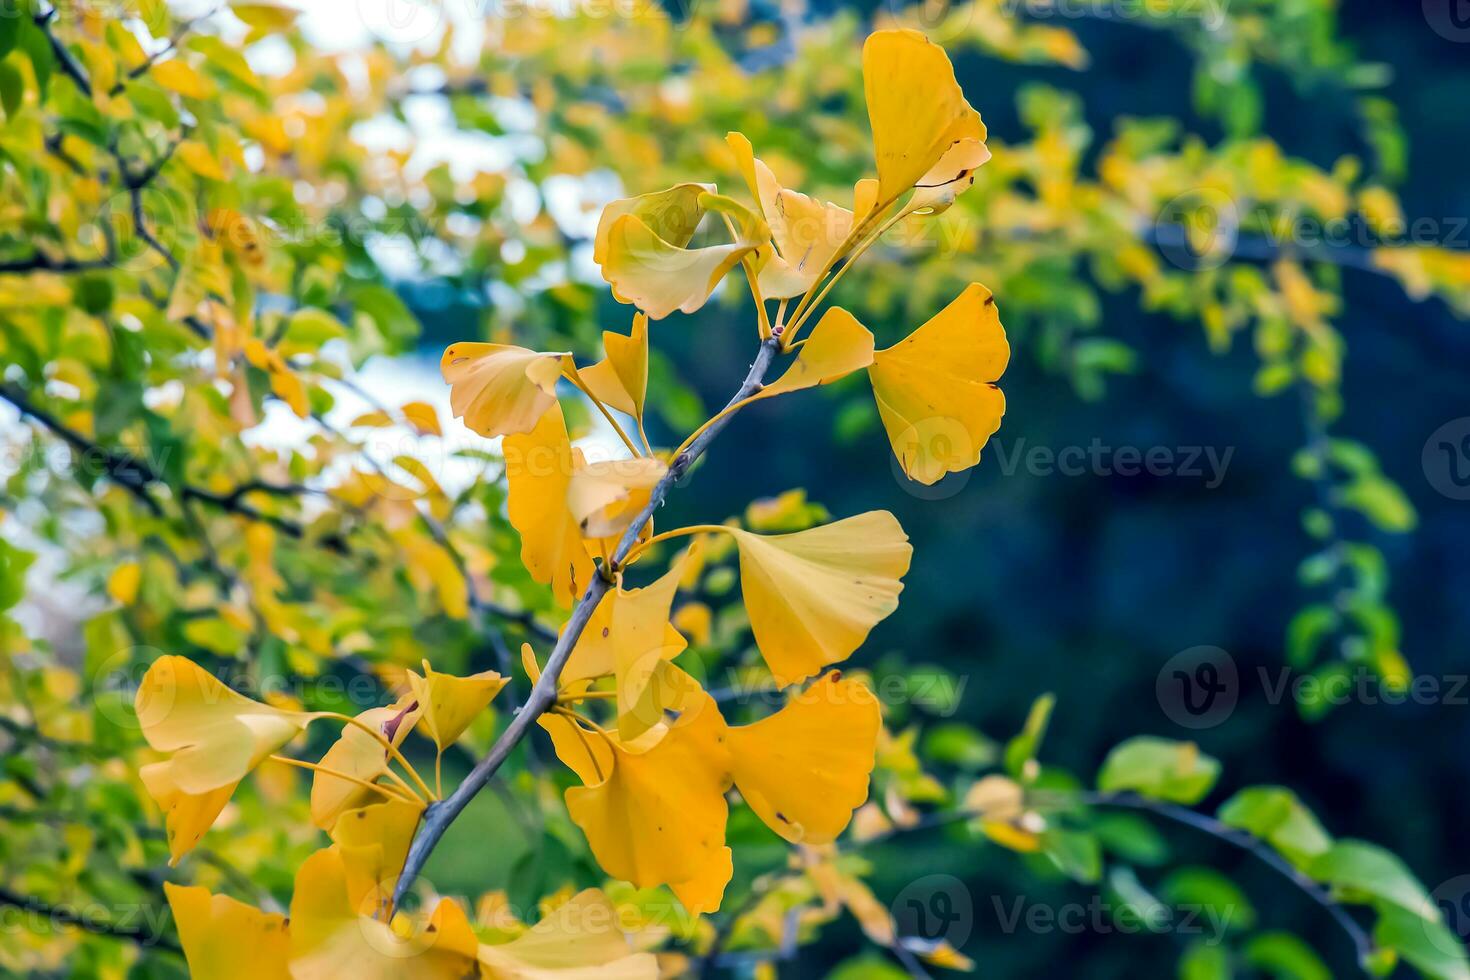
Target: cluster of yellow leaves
point(342, 921)
point(329, 935)
point(652, 803)
point(935, 390)
point(653, 806)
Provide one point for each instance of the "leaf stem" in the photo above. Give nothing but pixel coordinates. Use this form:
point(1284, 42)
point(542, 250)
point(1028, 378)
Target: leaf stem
point(387, 791)
point(800, 319)
point(382, 740)
point(606, 414)
point(575, 720)
point(677, 532)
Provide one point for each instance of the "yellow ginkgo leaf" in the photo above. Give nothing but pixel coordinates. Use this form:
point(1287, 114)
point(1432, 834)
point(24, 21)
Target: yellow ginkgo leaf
point(655, 816)
point(228, 940)
point(122, 584)
point(450, 703)
point(640, 629)
point(924, 132)
point(215, 734)
point(358, 754)
point(813, 596)
point(538, 470)
point(187, 816)
point(672, 215)
point(604, 497)
point(198, 158)
point(179, 77)
point(374, 842)
point(581, 934)
point(807, 233)
point(332, 938)
point(620, 380)
point(804, 769)
point(936, 388)
point(593, 656)
point(423, 417)
point(659, 276)
point(838, 346)
point(500, 389)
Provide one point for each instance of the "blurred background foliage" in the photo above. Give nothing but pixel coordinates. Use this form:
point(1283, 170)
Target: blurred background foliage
point(232, 243)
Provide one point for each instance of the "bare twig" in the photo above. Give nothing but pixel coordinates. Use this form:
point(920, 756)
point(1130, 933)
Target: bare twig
point(1362, 943)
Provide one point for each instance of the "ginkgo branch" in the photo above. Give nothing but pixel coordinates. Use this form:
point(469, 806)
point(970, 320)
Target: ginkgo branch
point(441, 814)
point(1362, 943)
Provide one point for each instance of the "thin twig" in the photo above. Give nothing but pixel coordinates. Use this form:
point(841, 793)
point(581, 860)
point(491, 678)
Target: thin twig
point(1362, 943)
point(543, 695)
point(65, 915)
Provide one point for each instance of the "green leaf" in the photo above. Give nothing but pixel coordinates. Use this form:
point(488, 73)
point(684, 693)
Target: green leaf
point(216, 636)
point(868, 966)
point(33, 42)
point(13, 565)
point(309, 328)
point(1285, 957)
point(1159, 768)
point(959, 745)
point(1023, 748)
point(1305, 633)
point(1076, 853)
point(1219, 899)
point(1360, 871)
point(10, 22)
point(1132, 838)
point(1277, 816)
point(12, 87)
point(1382, 502)
point(1205, 961)
point(1428, 946)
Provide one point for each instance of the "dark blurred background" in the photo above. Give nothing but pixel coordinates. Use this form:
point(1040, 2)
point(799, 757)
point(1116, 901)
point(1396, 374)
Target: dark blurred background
point(1085, 585)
